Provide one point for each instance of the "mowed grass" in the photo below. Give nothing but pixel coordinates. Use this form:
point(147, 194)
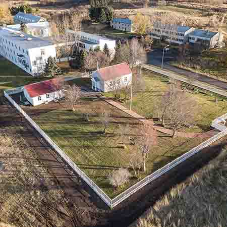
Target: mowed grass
point(12, 76)
point(99, 154)
point(144, 102)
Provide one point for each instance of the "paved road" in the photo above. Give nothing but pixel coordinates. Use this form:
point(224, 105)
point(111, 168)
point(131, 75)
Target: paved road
point(155, 58)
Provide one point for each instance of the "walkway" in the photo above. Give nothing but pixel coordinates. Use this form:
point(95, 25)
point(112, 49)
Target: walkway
point(159, 128)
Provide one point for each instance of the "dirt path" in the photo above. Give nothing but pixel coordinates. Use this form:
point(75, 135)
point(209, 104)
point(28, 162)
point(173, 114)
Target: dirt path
point(159, 128)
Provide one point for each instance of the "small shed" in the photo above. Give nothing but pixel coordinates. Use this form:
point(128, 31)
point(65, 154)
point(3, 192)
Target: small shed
point(112, 78)
point(43, 92)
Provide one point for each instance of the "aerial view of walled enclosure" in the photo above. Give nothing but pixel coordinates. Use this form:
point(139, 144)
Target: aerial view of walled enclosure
point(80, 133)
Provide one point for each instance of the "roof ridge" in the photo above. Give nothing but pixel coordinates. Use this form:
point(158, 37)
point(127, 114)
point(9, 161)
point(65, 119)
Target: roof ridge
point(112, 66)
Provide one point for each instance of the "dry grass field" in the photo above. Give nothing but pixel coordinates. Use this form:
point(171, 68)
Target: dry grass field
point(199, 201)
point(29, 194)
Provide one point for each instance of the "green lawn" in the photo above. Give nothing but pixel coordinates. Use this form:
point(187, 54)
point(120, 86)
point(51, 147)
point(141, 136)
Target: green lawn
point(210, 62)
point(144, 102)
point(12, 76)
point(106, 30)
point(98, 154)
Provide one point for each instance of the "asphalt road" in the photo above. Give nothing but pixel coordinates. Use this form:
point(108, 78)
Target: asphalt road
point(155, 58)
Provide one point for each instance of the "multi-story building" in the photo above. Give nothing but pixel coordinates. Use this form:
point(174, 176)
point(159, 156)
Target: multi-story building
point(206, 38)
point(185, 34)
point(39, 29)
point(27, 18)
point(27, 52)
point(89, 41)
point(171, 33)
point(123, 24)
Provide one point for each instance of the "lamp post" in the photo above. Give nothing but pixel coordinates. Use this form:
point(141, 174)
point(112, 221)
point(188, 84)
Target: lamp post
point(163, 53)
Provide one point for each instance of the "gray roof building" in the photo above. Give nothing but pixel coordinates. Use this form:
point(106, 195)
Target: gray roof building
point(21, 39)
point(27, 18)
point(203, 33)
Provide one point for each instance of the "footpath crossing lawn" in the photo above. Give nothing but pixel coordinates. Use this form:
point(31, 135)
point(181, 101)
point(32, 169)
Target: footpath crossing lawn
point(144, 103)
point(99, 154)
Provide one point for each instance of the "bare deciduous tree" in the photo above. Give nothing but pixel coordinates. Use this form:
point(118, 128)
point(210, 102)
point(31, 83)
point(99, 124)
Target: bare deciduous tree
point(135, 161)
point(124, 131)
point(105, 119)
point(119, 177)
point(102, 59)
point(147, 139)
point(90, 61)
point(137, 53)
point(178, 108)
point(72, 95)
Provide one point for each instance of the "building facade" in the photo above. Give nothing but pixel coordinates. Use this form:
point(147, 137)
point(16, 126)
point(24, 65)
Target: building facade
point(206, 38)
point(39, 29)
point(42, 92)
point(171, 33)
point(89, 41)
point(27, 52)
point(112, 78)
point(27, 18)
point(123, 24)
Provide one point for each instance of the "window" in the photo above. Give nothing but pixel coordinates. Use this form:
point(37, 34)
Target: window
point(48, 95)
point(39, 98)
point(125, 79)
point(42, 52)
point(34, 63)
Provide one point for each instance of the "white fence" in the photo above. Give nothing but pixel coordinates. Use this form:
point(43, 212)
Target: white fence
point(124, 195)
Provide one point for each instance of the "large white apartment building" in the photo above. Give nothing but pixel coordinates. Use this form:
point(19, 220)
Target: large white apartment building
point(89, 41)
point(27, 18)
point(39, 29)
point(27, 52)
point(171, 33)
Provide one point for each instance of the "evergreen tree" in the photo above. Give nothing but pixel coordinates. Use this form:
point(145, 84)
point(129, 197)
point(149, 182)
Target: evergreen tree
point(51, 68)
point(97, 49)
point(118, 46)
point(106, 50)
point(109, 14)
point(23, 28)
point(102, 16)
point(82, 58)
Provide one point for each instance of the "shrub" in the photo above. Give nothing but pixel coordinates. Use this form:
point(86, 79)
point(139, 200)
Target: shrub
point(119, 177)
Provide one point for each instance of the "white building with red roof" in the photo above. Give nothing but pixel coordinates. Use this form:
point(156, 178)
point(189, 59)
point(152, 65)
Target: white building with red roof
point(43, 92)
point(112, 78)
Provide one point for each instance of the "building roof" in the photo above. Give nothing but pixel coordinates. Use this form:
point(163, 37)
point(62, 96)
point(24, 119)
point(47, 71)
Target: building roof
point(179, 28)
point(183, 28)
point(25, 42)
point(41, 88)
point(43, 25)
point(114, 71)
point(203, 33)
point(122, 20)
point(89, 35)
point(28, 16)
